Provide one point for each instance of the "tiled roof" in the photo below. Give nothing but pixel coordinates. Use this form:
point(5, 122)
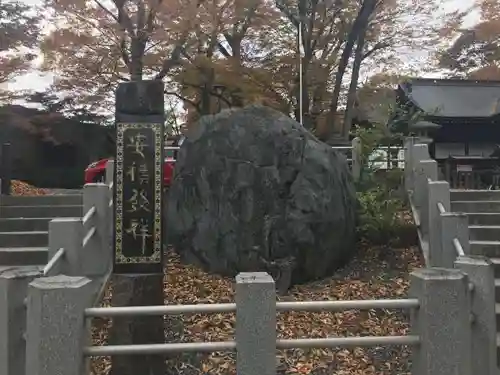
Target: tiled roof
point(454, 98)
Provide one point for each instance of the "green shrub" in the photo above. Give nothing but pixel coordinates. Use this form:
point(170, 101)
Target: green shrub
point(383, 217)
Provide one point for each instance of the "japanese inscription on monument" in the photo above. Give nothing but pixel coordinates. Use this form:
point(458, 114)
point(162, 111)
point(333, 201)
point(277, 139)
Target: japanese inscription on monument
point(138, 190)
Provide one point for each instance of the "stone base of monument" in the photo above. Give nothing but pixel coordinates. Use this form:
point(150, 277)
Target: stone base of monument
point(137, 290)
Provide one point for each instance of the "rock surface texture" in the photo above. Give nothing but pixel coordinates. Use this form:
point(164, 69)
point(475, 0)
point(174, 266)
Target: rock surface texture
point(254, 191)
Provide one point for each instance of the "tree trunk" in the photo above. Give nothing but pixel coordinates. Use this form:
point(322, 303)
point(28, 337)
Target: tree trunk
point(304, 64)
point(351, 96)
point(305, 96)
point(358, 25)
point(208, 80)
point(236, 95)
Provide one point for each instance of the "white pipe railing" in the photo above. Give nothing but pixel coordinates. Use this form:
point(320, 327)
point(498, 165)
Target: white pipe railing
point(58, 257)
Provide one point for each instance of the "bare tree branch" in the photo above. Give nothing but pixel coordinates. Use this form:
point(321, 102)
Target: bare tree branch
point(377, 47)
point(183, 98)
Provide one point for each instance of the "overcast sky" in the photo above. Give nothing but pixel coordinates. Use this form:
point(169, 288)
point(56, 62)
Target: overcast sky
point(36, 81)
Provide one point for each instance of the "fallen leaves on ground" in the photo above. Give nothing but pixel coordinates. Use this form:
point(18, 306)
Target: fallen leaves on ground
point(25, 189)
point(406, 217)
point(375, 273)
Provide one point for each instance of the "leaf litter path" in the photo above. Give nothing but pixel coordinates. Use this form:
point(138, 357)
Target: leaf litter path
point(374, 273)
point(20, 188)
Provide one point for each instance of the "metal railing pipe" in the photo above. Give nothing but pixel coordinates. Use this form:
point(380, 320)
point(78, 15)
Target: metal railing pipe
point(160, 310)
point(348, 305)
point(391, 160)
point(90, 213)
point(231, 307)
point(53, 261)
point(88, 236)
point(348, 159)
point(348, 342)
point(196, 347)
point(458, 247)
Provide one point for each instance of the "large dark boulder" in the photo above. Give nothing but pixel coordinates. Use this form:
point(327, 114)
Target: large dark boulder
point(255, 191)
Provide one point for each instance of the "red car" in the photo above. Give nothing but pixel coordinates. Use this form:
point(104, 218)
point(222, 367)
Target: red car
point(96, 171)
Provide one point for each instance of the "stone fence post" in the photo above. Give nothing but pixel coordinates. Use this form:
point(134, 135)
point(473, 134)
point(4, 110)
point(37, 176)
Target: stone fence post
point(419, 152)
point(479, 269)
point(426, 170)
point(438, 192)
point(255, 324)
point(68, 233)
point(56, 330)
point(13, 290)
point(110, 170)
point(409, 144)
point(453, 225)
point(356, 164)
point(442, 322)
point(97, 256)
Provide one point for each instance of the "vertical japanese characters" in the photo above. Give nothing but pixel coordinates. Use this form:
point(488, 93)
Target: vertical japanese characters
point(138, 198)
point(137, 176)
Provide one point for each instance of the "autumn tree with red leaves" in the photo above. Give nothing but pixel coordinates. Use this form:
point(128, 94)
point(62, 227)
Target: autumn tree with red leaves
point(97, 44)
point(214, 54)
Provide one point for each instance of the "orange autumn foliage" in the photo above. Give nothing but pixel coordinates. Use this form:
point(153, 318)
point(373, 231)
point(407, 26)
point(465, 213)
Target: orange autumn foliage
point(214, 54)
point(475, 51)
